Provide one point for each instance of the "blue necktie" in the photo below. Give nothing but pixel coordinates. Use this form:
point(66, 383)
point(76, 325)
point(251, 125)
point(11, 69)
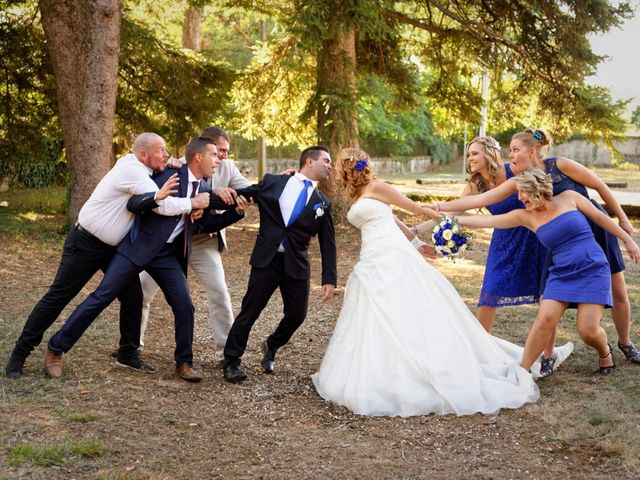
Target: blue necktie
point(300, 203)
point(133, 233)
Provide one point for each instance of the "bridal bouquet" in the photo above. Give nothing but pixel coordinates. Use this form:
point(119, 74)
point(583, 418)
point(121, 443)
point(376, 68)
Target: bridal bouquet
point(449, 239)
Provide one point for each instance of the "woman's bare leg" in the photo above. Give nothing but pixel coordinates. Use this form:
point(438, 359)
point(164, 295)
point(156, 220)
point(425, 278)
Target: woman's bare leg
point(621, 311)
point(542, 330)
point(486, 315)
point(589, 329)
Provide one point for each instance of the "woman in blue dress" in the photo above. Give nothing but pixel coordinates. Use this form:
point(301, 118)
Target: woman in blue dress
point(516, 258)
point(580, 271)
point(526, 152)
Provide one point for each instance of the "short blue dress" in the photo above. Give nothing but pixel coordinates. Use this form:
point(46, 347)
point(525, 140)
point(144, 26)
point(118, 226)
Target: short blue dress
point(515, 261)
point(580, 271)
point(607, 241)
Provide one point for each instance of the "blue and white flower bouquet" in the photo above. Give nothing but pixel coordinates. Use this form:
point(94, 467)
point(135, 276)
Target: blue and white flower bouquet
point(449, 239)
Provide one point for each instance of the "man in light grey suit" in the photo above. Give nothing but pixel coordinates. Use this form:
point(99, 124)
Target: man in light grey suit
point(205, 258)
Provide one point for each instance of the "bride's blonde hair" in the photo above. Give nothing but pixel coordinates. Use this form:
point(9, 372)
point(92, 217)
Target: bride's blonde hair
point(354, 170)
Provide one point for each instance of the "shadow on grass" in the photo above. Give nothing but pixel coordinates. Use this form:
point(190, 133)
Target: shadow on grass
point(38, 215)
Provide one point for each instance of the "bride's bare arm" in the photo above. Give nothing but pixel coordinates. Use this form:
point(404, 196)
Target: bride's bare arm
point(408, 232)
point(489, 197)
point(388, 194)
point(514, 218)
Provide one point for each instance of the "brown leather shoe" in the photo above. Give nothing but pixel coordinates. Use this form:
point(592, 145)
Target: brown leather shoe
point(53, 364)
point(185, 372)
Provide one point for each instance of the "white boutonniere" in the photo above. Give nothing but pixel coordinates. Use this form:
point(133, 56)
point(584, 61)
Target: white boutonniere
point(319, 209)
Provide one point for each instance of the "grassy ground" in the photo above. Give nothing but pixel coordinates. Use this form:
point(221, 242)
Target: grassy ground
point(101, 422)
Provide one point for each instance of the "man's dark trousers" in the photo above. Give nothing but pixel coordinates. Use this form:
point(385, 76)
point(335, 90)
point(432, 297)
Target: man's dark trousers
point(82, 256)
point(166, 269)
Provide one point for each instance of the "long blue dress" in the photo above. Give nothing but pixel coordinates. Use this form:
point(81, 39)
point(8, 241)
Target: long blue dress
point(607, 241)
point(514, 263)
point(580, 271)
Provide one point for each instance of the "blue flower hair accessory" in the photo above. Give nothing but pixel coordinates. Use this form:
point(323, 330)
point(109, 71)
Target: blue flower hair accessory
point(537, 134)
point(360, 165)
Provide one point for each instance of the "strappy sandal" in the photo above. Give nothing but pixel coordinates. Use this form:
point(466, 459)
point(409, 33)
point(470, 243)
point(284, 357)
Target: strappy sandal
point(630, 351)
point(608, 370)
point(546, 366)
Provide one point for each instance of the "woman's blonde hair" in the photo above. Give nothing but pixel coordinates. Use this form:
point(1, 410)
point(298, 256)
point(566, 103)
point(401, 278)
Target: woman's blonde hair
point(533, 138)
point(537, 184)
point(354, 170)
point(491, 152)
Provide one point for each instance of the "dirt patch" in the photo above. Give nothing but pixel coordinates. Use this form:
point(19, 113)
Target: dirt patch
point(159, 427)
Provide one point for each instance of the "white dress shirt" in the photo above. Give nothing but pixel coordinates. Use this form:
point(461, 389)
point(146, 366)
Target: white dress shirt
point(190, 193)
point(105, 214)
point(290, 195)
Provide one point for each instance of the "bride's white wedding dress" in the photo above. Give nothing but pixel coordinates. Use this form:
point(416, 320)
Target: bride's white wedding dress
point(406, 344)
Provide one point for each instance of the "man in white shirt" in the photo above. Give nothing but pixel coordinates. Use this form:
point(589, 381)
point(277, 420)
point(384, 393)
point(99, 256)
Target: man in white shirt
point(205, 259)
point(103, 222)
point(161, 246)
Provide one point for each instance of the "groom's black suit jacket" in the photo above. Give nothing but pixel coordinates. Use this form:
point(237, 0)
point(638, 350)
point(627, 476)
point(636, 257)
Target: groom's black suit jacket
point(297, 236)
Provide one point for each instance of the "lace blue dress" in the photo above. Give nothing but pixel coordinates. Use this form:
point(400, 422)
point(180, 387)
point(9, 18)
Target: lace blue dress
point(607, 241)
point(515, 261)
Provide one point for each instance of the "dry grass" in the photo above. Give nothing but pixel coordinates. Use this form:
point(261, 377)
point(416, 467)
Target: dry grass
point(101, 422)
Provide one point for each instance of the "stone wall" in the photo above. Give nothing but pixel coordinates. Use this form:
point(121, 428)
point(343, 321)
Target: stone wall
point(385, 166)
point(588, 153)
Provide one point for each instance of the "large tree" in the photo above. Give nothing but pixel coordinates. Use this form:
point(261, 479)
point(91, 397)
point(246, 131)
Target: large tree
point(83, 39)
point(536, 53)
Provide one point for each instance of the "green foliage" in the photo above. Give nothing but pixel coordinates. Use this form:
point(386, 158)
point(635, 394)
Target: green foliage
point(635, 117)
point(407, 130)
point(30, 137)
point(164, 89)
point(270, 97)
point(536, 53)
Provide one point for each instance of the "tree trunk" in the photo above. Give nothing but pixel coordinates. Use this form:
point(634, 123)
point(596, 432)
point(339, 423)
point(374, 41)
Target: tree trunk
point(83, 39)
point(337, 113)
point(191, 29)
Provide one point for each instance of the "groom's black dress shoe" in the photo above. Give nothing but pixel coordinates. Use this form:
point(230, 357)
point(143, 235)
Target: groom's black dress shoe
point(233, 372)
point(269, 358)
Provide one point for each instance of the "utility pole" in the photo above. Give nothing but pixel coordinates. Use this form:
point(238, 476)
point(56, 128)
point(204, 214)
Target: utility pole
point(262, 144)
point(485, 101)
point(464, 152)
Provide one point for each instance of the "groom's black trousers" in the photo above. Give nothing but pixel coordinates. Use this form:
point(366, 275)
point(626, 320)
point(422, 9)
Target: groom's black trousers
point(262, 284)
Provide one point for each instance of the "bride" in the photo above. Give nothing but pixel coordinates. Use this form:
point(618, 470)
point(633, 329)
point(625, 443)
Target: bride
point(405, 343)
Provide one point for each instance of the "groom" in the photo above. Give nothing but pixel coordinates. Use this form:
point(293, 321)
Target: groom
point(292, 211)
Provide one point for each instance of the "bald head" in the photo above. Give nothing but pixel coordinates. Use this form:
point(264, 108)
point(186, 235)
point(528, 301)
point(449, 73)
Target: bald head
point(150, 149)
point(145, 141)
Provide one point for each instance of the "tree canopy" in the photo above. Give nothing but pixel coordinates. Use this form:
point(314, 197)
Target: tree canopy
point(400, 75)
point(536, 53)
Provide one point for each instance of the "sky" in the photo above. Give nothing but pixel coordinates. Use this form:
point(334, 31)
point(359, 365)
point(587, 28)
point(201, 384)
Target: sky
point(621, 71)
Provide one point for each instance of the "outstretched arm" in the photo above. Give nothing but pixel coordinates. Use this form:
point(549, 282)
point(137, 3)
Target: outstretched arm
point(429, 225)
point(388, 194)
point(412, 236)
point(586, 177)
point(514, 218)
point(587, 208)
point(487, 198)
